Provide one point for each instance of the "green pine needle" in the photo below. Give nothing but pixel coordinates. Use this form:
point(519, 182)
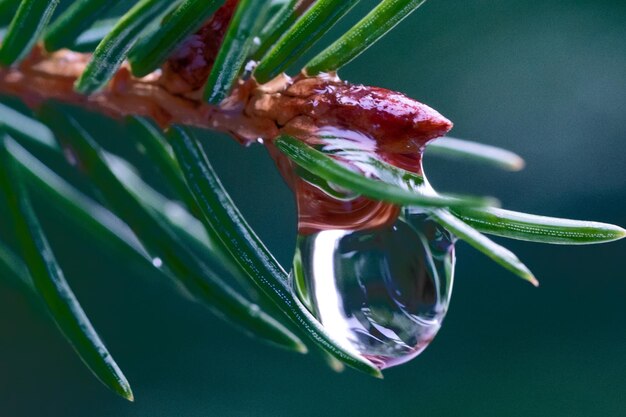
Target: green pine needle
point(244, 245)
point(282, 20)
point(159, 153)
point(363, 35)
point(26, 128)
point(155, 48)
point(392, 188)
point(51, 285)
point(78, 17)
point(112, 51)
point(29, 22)
point(478, 241)
point(234, 51)
point(318, 20)
point(475, 152)
point(542, 229)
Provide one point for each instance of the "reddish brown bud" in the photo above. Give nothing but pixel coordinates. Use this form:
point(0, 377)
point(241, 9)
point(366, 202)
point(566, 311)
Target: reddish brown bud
point(398, 123)
point(189, 66)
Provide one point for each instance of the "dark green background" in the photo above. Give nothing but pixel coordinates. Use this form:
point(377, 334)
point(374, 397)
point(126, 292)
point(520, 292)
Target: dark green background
point(544, 78)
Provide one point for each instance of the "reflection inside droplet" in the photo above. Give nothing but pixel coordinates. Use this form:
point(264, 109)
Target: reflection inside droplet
point(382, 292)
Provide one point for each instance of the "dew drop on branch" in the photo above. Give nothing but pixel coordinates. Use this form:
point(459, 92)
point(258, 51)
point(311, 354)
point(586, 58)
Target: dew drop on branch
point(382, 292)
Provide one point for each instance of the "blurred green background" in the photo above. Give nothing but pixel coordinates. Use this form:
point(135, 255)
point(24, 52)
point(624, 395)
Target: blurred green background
point(546, 79)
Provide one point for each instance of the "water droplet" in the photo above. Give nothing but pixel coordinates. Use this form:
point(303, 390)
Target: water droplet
point(250, 67)
point(377, 276)
point(70, 156)
point(174, 210)
point(383, 291)
point(157, 262)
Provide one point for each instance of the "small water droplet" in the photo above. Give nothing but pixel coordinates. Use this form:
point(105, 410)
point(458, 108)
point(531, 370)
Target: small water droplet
point(255, 310)
point(382, 292)
point(157, 262)
point(70, 156)
point(174, 210)
point(250, 67)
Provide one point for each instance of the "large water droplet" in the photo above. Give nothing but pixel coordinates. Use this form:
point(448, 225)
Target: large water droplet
point(382, 292)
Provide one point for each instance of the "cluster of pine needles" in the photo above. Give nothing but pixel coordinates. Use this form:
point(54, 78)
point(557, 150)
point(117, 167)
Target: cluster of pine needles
point(205, 245)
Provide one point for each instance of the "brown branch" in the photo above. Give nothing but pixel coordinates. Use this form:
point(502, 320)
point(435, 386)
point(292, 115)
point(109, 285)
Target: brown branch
point(300, 106)
point(397, 126)
point(44, 77)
